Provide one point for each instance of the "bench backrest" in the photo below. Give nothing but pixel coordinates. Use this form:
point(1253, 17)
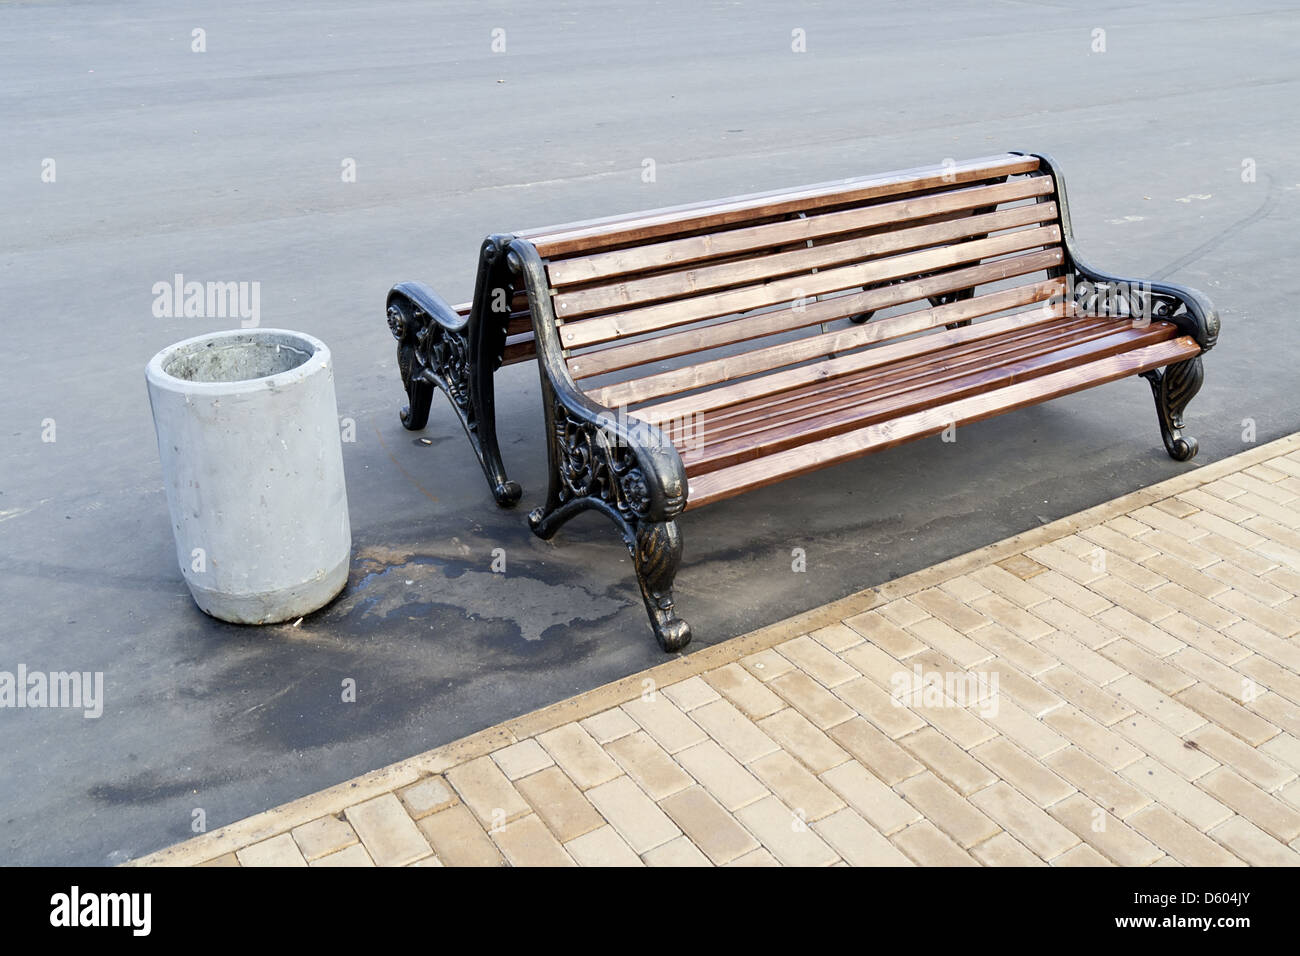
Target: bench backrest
point(749, 284)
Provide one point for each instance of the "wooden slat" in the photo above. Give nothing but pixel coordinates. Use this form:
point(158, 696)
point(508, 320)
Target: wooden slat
point(672, 344)
point(610, 231)
point(712, 305)
point(726, 482)
point(755, 413)
point(729, 368)
point(691, 281)
point(679, 252)
point(943, 385)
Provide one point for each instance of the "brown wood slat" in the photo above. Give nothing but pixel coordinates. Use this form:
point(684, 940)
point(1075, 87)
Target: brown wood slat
point(754, 414)
point(895, 398)
point(610, 231)
point(726, 482)
point(715, 304)
point(680, 252)
point(729, 368)
point(775, 383)
point(672, 344)
point(692, 281)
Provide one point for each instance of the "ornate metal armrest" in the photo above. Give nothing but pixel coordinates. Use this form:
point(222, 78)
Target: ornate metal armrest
point(1185, 307)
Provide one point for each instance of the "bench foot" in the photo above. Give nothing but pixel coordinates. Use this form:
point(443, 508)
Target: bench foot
point(1173, 388)
point(434, 352)
point(657, 550)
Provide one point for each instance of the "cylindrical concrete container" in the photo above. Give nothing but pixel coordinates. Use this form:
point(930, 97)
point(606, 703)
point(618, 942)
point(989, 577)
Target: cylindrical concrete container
point(252, 458)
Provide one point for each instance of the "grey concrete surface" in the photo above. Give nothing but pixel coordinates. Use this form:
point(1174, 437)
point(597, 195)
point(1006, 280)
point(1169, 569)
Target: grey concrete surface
point(226, 166)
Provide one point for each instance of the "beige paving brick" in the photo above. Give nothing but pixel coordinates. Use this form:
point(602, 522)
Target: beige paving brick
point(875, 751)
point(1270, 675)
point(521, 759)
point(1266, 812)
point(816, 661)
point(1143, 605)
point(428, 861)
point(858, 842)
point(1024, 821)
point(1027, 774)
point(352, 856)
point(1193, 605)
point(1253, 764)
point(948, 810)
point(1210, 672)
point(527, 842)
point(387, 831)
point(1247, 841)
point(1102, 784)
point(1168, 543)
point(1010, 586)
point(947, 609)
point(868, 796)
point(1160, 674)
point(1166, 861)
point(1174, 570)
point(1277, 710)
point(487, 792)
point(1249, 583)
point(649, 764)
point(965, 588)
point(1105, 832)
point(559, 804)
point(836, 637)
point(458, 840)
point(811, 699)
point(784, 835)
point(660, 718)
point(1101, 742)
point(226, 859)
point(810, 746)
point(1227, 714)
point(711, 828)
point(1005, 850)
point(1026, 691)
point(766, 664)
point(1087, 631)
point(884, 633)
point(1214, 524)
point(603, 847)
point(739, 735)
point(1281, 651)
point(427, 796)
point(634, 815)
point(1070, 593)
point(872, 701)
point(1013, 618)
point(277, 851)
point(609, 725)
point(925, 844)
point(1022, 566)
point(751, 697)
point(1062, 562)
point(324, 836)
point(1080, 658)
point(877, 665)
point(679, 852)
point(1132, 572)
point(691, 693)
point(1084, 695)
point(722, 775)
point(791, 781)
point(950, 642)
point(579, 755)
point(949, 762)
point(1284, 749)
point(759, 857)
point(901, 611)
point(1159, 706)
point(1170, 749)
point(1081, 855)
point(1204, 639)
point(1026, 730)
point(1030, 658)
point(962, 725)
point(1276, 620)
point(1180, 839)
point(1174, 793)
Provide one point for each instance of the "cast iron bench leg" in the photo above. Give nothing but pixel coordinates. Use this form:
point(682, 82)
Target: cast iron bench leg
point(1174, 388)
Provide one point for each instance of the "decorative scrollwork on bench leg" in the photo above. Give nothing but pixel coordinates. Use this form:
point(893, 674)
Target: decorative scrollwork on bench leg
point(591, 470)
point(436, 354)
point(1174, 387)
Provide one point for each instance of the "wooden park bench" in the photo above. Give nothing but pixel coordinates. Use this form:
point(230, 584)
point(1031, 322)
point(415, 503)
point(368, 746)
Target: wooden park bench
point(690, 354)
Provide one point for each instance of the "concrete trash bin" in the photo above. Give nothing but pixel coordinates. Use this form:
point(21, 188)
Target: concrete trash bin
point(252, 459)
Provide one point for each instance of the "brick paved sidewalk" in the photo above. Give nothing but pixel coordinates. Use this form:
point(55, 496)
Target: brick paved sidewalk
point(1146, 712)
